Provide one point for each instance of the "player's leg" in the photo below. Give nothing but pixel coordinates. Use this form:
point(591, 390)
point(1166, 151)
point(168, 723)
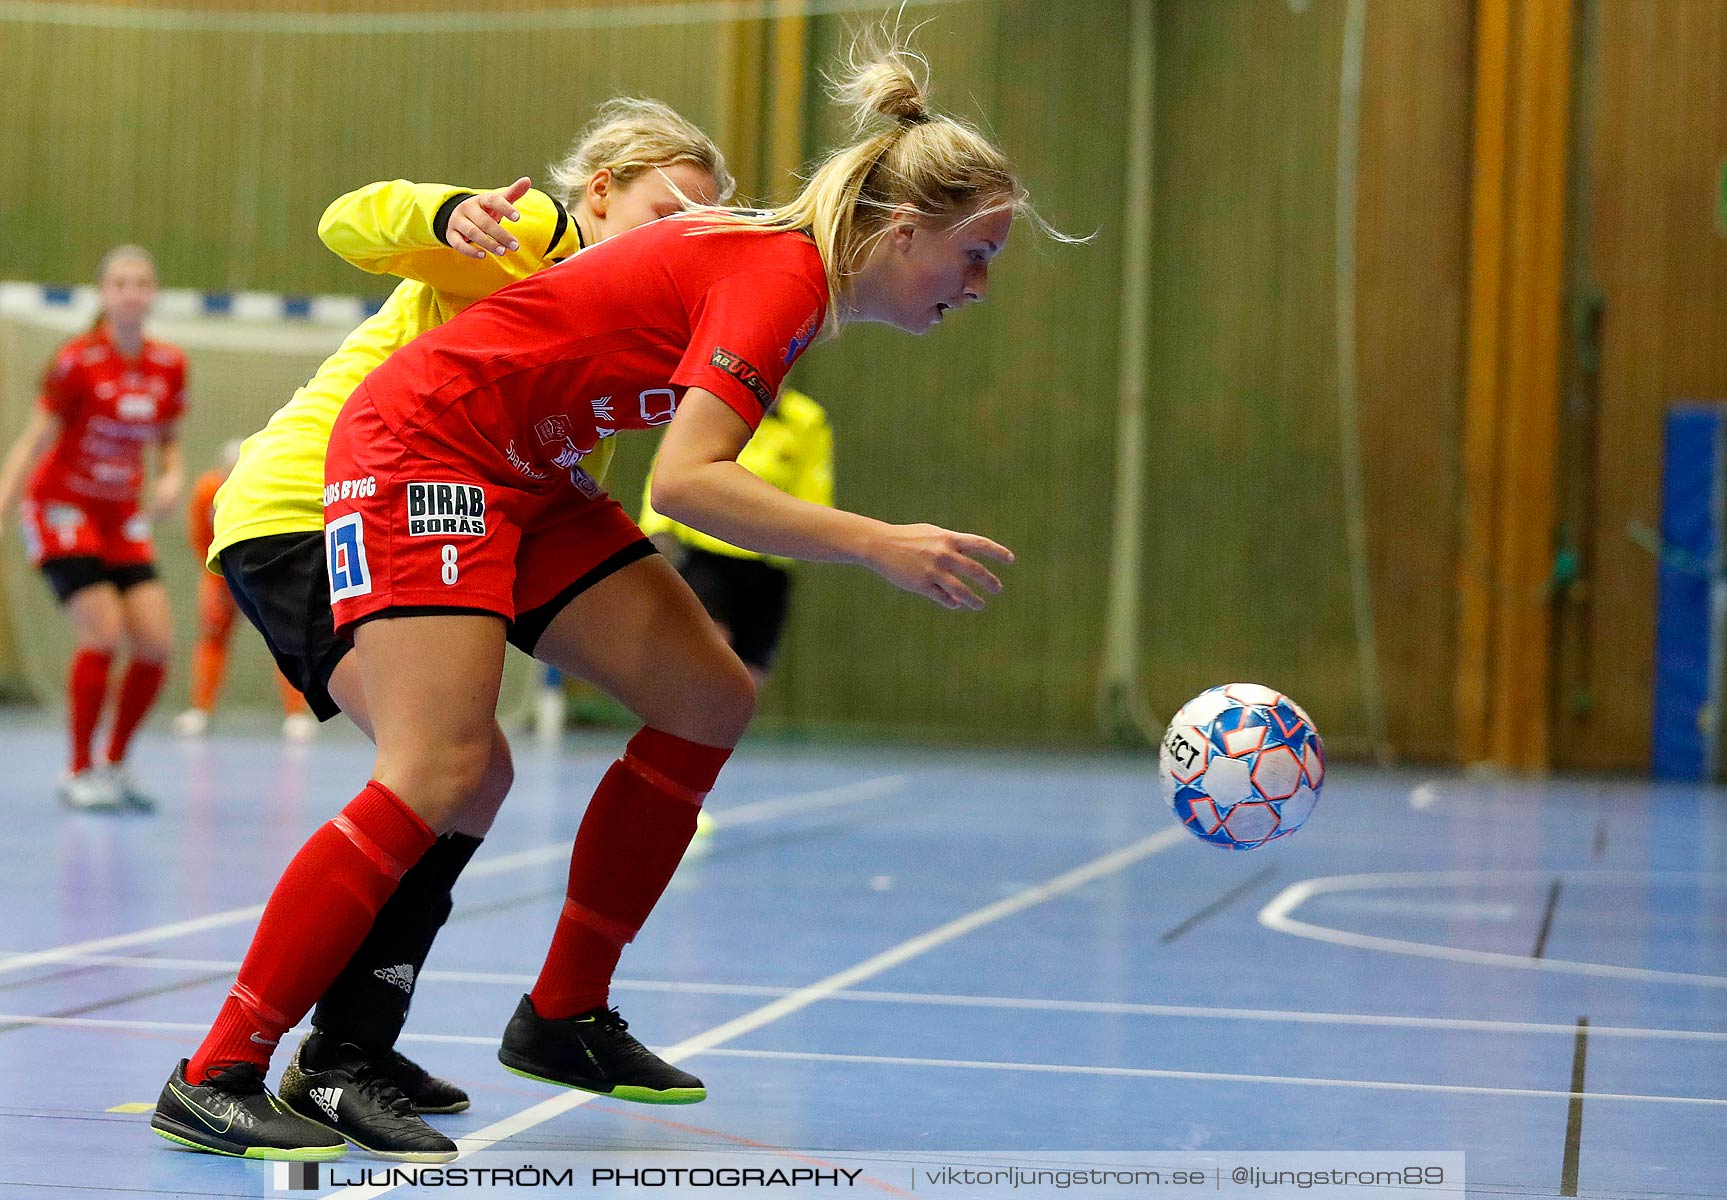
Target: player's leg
point(209, 656)
point(150, 640)
point(297, 722)
point(640, 634)
point(550, 702)
point(93, 608)
point(431, 683)
point(362, 1013)
point(747, 599)
point(281, 584)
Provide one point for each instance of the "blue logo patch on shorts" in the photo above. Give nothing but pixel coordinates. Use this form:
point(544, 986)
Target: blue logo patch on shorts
point(345, 554)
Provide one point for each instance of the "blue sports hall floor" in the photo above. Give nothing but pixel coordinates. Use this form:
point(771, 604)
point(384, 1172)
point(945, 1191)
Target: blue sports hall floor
point(919, 951)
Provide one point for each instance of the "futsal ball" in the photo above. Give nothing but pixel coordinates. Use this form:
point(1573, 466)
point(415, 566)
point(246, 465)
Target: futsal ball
point(1242, 765)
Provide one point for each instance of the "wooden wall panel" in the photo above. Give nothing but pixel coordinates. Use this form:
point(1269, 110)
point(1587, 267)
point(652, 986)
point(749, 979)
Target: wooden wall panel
point(1411, 248)
point(219, 148)
point(1247, 568)
point(1660, 261)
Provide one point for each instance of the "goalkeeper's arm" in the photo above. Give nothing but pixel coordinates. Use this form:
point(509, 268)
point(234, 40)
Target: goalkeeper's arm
point(408, 229)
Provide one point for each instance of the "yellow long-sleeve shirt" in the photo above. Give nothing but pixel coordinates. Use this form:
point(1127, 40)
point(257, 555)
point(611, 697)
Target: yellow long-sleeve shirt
point(793, 449)
point(394, 228)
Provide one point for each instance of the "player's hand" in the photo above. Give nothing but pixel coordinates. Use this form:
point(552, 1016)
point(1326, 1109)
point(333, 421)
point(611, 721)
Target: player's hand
point(475, 227)
point(164, 494)
point(939, 564)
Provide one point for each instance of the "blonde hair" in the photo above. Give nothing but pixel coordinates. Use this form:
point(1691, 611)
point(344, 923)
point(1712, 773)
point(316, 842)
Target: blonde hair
point(125, 253)
point(629, 136)
point(908, 157)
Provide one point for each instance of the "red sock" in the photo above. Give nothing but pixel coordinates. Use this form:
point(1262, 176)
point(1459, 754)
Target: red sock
point(86, 688)
point(637, 827)
point(317, 917)
point(138, 691)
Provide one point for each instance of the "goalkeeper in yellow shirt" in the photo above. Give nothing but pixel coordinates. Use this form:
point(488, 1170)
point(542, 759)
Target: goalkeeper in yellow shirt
point(636, 162)
point(749, 594)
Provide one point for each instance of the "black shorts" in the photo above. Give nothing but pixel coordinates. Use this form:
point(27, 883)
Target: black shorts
point(282, 583)
point(69, 576)
point(748, 596)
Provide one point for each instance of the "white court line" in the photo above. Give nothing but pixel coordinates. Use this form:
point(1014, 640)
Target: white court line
point(958, 1064)
point(1094, 1007)
point(784, 806)
point(1448, 910)
point(232, 916)
point(1276, 915)
point(573, 1099)
point(1068, 881)
point(1112, 1008)
point(1211, 1076)
point(867, 789)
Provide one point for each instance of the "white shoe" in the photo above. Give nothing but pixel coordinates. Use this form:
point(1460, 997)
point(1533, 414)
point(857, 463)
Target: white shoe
point(193, 723)
point(90, 789)
point(120, 778)
point(299, 727)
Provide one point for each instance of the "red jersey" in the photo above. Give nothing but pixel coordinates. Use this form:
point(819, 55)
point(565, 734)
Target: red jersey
point(109, 406)
point(527, 381)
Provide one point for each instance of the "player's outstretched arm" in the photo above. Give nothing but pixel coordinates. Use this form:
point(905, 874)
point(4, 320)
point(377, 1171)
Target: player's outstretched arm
point(697, 482)
point(407, 229)
point(38, 434)
point(170, 474)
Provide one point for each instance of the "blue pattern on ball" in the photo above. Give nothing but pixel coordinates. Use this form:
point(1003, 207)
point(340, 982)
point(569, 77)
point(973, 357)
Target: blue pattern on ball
point(1263, 766)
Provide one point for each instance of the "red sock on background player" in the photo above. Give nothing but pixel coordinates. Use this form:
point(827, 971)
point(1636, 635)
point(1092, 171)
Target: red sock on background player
point(139, 688)
point(86, 688)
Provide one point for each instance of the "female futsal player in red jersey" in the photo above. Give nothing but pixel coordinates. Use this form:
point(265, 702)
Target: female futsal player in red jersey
point(458, 517)
point(106, 396)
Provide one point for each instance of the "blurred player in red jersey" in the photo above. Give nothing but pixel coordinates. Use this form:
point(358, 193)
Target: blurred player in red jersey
point(458, 517)
point(107, 396)
point(216, 613)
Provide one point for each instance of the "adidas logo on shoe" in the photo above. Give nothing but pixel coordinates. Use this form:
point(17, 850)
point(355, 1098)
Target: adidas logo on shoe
point(362, 1104)
point(401, 975)
point(327, 1098)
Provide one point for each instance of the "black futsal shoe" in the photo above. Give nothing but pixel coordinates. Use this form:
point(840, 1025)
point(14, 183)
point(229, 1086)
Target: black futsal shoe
point(233, 1113)
point(429, 1093)
point(362, 1104)
point(593, 1051)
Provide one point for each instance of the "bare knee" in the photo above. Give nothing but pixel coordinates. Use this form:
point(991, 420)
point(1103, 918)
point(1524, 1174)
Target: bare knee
point(97, 621)
point(151, 645)
point(717, 705)
point(149, 627)
point(101, 636)
point(437, 780)
point(477, 815)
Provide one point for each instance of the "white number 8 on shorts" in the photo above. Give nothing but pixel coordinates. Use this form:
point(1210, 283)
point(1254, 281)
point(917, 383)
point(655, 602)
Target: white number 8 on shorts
point(450, 571)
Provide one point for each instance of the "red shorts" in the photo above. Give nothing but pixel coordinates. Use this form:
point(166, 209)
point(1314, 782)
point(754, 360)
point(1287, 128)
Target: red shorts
point(445, 527)
point(117, 534)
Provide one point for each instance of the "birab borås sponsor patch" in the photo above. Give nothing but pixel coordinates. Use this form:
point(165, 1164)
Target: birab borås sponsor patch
point(446, 510)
